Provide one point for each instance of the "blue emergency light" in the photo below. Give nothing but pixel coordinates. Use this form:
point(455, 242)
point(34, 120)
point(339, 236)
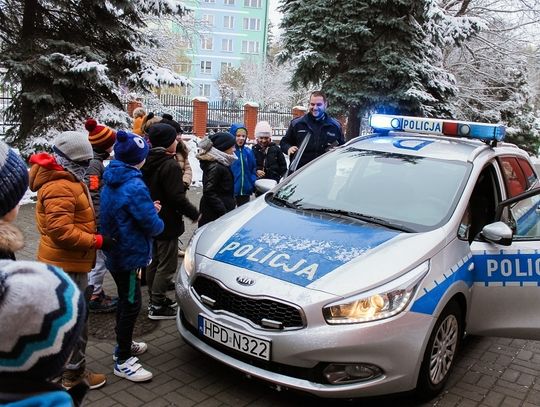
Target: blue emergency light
point(481, 131)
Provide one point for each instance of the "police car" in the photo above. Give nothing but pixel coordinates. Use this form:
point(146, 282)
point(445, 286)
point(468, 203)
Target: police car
point(358, 275)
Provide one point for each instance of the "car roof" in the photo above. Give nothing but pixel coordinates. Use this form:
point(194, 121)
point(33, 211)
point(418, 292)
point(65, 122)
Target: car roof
point(432, 146)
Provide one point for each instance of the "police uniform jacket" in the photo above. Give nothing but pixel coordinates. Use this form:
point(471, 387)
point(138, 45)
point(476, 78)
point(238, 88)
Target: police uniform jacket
point(324, 133)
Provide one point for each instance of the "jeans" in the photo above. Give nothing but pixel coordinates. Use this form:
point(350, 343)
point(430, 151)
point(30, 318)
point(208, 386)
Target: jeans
point(77, 361)
point(97, 274)
point(129, 304)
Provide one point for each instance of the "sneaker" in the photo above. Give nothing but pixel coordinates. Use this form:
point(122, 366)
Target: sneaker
point(137, 348)
point(93, 380)
point(161, 312)
point(102, 303)
point(169, 303)
point(132, 370)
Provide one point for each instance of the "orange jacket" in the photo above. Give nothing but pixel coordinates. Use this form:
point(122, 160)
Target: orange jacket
point(65, 217)
point(137, 123)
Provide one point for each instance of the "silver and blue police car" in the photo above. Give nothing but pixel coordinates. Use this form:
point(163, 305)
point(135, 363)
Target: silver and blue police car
point(358, 275)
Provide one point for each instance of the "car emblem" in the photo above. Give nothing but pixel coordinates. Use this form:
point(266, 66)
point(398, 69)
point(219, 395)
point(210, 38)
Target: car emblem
point(245, 281)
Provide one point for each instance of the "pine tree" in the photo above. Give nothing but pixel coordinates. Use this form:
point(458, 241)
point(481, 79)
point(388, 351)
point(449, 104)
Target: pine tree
point(69, 58)
point(374, 54)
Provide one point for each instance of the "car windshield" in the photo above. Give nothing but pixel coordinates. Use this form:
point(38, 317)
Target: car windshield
point(399, 191)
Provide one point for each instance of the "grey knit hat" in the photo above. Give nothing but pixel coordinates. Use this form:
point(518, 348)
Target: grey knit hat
point(73, 145)
point(42, 313)
point(13, 179)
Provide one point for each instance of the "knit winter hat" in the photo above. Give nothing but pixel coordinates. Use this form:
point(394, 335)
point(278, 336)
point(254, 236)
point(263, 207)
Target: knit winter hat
point(174, 124)
point(263, 129)
point(42, 313)
point(223, 140)
point(73, 145)
point(161, 135)
point(13, 179)
point(130, 148)
point(101, 137)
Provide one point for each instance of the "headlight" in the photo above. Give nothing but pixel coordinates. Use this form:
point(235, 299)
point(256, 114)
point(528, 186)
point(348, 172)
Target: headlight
point(378, 304)
point(189, 256)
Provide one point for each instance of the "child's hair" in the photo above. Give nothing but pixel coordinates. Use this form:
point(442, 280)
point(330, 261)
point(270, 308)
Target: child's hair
point(139, 112)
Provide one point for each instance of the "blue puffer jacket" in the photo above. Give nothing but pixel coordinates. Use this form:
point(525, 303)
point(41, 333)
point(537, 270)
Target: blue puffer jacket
point(245, 168)
point(128, 215)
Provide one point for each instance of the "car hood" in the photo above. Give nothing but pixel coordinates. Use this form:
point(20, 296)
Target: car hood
point(317, 252)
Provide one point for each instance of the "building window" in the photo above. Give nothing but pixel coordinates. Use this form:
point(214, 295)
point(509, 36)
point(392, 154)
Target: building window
point(206, 43)
point(252, 3)
point(209, 1)
point(225, 66)
point(204, 89)
point(250, 47)
point(208, 20)
point(206, 66)
point(226, 45)
point(228, 2)
point(253, 24)
point(228, 22)
point(183, 67)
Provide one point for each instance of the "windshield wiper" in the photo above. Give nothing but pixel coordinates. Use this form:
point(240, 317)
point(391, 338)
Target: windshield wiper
point(362, 217)
point(283, 202)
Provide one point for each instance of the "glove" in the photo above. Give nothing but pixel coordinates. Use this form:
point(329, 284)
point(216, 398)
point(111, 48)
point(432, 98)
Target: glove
point(108, 243)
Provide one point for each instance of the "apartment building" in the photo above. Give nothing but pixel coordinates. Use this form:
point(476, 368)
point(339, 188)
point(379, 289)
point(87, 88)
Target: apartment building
point(226, 32)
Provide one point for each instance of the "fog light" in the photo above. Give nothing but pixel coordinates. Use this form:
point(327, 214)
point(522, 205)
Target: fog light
point(351, 373)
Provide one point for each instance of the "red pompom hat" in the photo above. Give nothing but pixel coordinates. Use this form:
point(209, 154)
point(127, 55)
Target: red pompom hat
point(101, 137)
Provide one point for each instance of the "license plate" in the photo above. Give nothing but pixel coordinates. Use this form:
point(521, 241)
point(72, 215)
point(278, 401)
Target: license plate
point(250, 345)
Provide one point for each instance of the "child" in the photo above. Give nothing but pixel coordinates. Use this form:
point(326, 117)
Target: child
point(102, 139)
point(244, 168)
point(67, 226)
point(13, 185)
point(34, 352)
point(271, 162)
point(138, 118)
point(130, 217)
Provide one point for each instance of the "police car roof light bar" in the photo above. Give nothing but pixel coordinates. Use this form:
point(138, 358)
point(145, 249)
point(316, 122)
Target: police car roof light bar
point(482, 131)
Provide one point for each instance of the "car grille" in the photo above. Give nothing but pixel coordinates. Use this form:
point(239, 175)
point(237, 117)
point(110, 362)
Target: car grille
point(253, 309)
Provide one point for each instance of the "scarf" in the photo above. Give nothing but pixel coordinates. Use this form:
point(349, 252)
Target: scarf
point(77, 170)
point(217, 155)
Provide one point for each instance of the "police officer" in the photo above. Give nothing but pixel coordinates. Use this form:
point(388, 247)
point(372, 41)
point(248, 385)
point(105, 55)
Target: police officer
point(316, 130)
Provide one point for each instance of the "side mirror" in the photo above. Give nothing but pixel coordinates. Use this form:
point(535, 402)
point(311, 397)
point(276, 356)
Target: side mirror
point(265, 185)
point(498, 232)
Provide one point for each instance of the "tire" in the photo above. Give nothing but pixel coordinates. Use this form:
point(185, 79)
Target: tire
point(441, 350)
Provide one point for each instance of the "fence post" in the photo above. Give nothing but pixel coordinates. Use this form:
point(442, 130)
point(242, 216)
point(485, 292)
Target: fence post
point(132, 105)
point(298, 111)
point(200, 115)
point(251, 110)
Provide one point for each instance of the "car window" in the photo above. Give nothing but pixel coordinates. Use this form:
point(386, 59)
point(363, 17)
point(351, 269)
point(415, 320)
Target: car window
point(514, 178)
point(413, 191)
point(528, 170)
point(523, 217)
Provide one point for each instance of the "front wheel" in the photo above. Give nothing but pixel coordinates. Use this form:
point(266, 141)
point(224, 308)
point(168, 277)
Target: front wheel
point(440, 354)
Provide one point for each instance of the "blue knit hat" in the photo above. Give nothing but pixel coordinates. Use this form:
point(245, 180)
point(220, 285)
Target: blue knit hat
point(42, 313)
point(130, 148)
point(13, 179)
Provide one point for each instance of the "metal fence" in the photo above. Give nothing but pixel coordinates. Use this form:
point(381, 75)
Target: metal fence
point(5, 101)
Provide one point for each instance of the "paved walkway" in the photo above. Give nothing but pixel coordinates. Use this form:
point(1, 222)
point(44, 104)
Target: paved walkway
point(489, 372)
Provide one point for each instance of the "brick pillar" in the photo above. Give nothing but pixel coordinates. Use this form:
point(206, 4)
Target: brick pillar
point(200, 115)
point(298, 111)
point(251, 110)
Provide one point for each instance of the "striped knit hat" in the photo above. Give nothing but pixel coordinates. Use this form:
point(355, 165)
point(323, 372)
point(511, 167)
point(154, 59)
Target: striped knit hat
point(13, 179)
point(101, 137)
point(42, 313)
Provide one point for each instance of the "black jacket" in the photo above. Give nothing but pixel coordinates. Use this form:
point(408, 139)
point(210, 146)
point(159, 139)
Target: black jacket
point(271, 160)
point(163, 176)
point(218, 191)
point(324, 133)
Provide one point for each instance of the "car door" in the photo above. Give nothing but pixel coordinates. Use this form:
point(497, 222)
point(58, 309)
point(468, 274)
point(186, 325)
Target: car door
point(505, 295)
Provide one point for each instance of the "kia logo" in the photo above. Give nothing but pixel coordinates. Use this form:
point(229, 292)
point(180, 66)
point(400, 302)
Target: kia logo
point(245, 281)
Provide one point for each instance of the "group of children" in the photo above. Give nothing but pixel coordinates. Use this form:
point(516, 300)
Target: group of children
point(126, 218)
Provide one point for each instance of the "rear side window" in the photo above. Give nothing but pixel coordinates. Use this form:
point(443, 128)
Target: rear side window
point(528, 170)
point(514, 177)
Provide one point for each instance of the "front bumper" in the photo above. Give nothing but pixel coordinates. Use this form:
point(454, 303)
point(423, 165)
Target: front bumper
point(395, 345)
